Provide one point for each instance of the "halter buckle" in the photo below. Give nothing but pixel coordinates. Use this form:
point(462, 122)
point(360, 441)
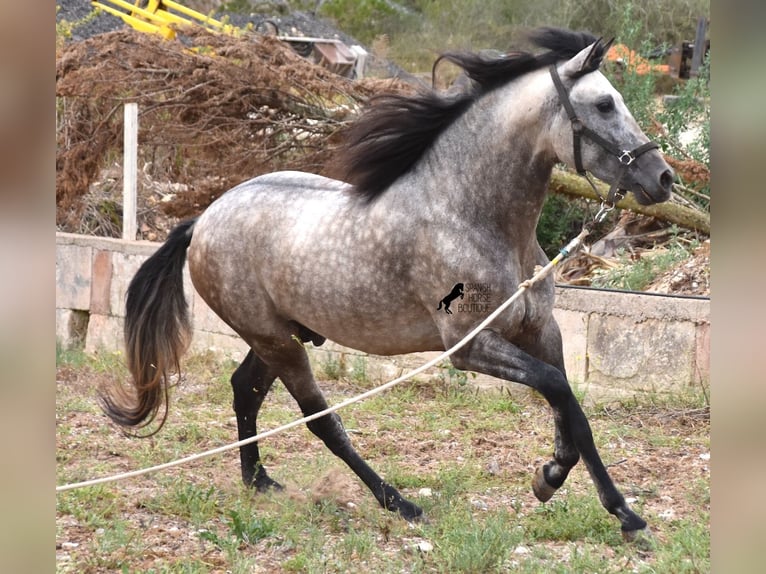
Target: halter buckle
point(627, 157)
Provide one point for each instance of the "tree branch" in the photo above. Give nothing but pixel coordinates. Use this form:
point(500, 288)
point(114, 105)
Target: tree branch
point(573, 185)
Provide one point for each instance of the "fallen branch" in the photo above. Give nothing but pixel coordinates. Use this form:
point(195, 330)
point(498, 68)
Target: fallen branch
point(571, 184)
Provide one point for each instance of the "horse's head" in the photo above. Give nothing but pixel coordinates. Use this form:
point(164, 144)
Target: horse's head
point(594, 131)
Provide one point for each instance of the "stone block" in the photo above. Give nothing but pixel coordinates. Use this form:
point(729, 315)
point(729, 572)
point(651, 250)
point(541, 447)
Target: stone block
point(124, 267)
point(702, 355)
point(638, 306)
point(101, 281)
point(650, 356)
point(105, 332)
point(219, 344)
point(574, 333)
point(73, 272)
point(71, 327)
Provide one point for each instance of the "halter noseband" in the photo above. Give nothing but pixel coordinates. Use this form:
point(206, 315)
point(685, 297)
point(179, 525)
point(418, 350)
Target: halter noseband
point(625, 157)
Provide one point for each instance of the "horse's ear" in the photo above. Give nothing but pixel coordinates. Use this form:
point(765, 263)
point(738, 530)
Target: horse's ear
point(587, 60)
point(596, 55)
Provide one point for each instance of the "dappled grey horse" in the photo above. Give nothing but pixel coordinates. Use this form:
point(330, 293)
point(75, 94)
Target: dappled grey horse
point(439, 189)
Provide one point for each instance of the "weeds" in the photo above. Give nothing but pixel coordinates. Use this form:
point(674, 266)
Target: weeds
point(452, 377)
point(332, 368)
point(637, 89)
point(181, 498)
point(686, 118)
point(241, 531)
point(469, 543)
point(200, 519)
point(635, 273)
point(71, 357)
point(560, 220)
point(417, 29)
point(572, 518)
point(359, 369)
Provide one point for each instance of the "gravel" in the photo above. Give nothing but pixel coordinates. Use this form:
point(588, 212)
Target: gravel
point(75, 10)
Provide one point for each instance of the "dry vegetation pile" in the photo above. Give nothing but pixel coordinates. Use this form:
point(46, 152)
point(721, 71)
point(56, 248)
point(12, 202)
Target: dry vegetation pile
point(214, 110)
point(694, 174)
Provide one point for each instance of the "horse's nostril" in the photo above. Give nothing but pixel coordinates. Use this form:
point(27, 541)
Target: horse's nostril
point(666, 179)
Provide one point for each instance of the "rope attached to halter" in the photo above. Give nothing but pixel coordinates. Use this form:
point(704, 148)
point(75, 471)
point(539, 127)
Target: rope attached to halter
point(579, 129)
point(539, 275)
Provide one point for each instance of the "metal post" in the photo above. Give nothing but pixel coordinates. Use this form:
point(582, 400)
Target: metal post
point(130, 173)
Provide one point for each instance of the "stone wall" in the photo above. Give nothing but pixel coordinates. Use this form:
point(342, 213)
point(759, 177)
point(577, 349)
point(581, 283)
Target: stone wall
point(615, 343)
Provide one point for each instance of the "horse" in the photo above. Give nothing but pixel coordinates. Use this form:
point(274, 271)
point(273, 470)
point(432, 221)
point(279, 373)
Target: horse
point(457, 291)
point(436, 188)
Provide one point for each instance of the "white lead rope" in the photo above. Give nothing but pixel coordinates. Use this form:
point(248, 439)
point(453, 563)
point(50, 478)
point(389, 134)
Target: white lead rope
point(540, 274)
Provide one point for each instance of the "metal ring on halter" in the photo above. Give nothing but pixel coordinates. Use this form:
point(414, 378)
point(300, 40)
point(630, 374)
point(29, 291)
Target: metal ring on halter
point(627, 157)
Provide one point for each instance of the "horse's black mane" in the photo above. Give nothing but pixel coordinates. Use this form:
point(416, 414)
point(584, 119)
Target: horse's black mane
point(396, 130)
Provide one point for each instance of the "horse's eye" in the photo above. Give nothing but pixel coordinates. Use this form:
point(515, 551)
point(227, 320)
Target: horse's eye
point(605, 105)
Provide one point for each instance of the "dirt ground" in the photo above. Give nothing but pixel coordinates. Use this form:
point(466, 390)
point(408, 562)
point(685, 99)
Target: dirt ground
point(665, 457)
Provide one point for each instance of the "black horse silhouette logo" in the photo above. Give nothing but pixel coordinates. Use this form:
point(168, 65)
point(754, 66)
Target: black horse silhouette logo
point(457, 291)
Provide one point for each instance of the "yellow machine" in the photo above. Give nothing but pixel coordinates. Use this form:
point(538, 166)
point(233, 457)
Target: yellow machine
point(164, 16)
point(159, 16)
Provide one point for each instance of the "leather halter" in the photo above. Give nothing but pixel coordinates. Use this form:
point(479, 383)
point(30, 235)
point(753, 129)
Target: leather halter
point(626, 157)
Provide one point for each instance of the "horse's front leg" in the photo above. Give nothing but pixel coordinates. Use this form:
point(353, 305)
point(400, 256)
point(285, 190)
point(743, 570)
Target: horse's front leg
point(491, 354)
point(549, 477)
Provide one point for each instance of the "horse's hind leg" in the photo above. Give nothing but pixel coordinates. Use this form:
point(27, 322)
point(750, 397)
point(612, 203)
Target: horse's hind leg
point(490, 354)
point(294, 371)
point(251, 382)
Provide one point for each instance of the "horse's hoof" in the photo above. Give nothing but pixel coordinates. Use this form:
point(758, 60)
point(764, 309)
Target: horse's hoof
point(643, 539)
point(412, 513)
point(418, 519)
point(543, 491)
point(406, 509)
point(266, 484)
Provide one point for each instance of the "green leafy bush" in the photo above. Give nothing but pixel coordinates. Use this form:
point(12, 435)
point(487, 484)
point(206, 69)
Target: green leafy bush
point(691, 107)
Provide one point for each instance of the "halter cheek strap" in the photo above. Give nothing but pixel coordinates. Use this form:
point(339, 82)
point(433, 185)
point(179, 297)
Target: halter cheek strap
point(579, 129)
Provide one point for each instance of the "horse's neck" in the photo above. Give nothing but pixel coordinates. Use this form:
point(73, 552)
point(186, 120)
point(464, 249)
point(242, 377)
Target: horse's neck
point(496, 158)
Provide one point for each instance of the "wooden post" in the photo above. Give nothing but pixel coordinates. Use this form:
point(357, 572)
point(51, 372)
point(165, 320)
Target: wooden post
point(130, 173)
point(700, 45)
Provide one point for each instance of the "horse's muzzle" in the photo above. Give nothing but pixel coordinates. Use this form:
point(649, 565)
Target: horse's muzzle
point(653, 183)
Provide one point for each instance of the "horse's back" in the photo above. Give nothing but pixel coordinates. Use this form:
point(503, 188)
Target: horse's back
point(265, 201)
point(292, 182)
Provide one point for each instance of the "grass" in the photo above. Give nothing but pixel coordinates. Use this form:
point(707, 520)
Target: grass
point(473, 451)
point(636, 274)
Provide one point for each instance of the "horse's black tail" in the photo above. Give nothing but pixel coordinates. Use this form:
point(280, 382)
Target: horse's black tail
point(157, 333)
point(440, 305)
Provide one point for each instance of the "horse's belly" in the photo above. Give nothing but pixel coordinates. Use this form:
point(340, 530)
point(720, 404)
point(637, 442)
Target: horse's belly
point(387, 327)
point(387, 347)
